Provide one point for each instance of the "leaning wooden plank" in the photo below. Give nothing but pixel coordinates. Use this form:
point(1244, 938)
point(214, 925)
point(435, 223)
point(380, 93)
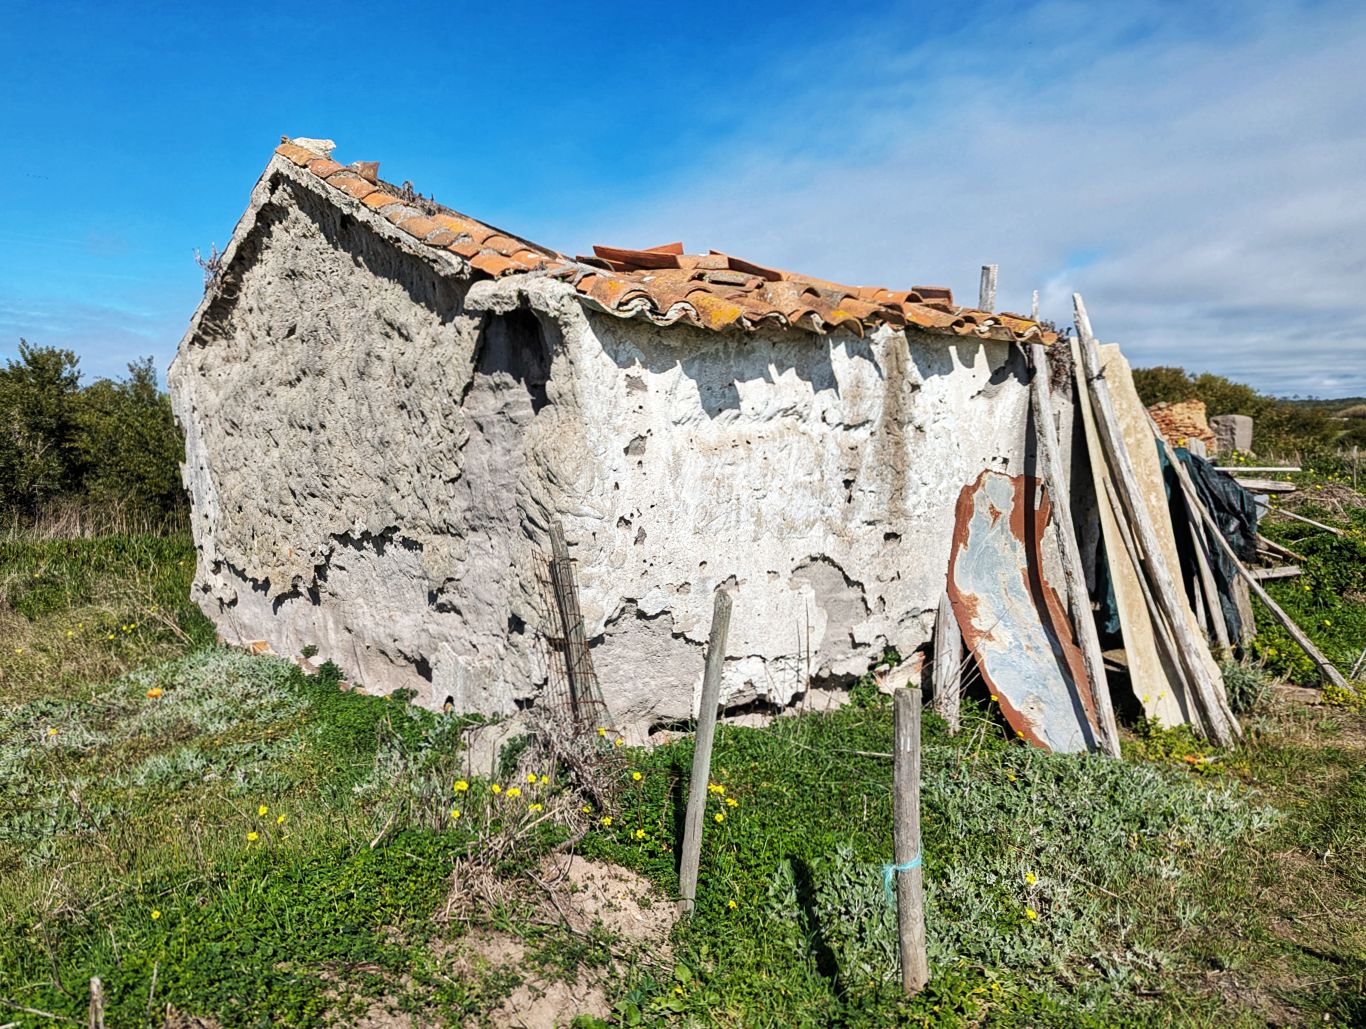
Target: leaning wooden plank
point(1154, 672)
point(1215, 609)
point(1325, 667)
point(1011, 617)
point(1283, 572)
point(948, 665)
point(1361, 663)
point(1150, 485)
point(1074, 575)
point(1192, 650)
point(1159, 624)
point(1307, 521)
point(1272, 547)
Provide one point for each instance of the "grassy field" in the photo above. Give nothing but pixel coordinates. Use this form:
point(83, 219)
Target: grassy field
point(250, 845)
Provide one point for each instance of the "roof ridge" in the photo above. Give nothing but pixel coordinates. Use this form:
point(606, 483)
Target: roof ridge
point(721, 291)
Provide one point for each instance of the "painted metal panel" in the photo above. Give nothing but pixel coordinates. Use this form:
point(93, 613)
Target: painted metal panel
point(1013, 621)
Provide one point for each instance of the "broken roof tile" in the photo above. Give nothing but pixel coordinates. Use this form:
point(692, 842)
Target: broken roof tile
point(663, 284)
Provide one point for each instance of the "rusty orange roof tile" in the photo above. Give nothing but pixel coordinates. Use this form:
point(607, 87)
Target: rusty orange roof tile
point(350, 182)
point(664, 284)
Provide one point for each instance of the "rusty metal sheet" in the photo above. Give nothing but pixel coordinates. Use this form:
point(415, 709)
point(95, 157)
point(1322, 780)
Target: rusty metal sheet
point(1013, 621)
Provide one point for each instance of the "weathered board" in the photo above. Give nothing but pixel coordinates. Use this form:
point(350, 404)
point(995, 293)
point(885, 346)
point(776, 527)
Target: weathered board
point(1142, 446)
point(1012, 619)
point(1156, 681)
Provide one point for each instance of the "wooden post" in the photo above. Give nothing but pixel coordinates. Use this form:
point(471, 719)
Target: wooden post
point(585, 699)
point(96, 1020)
point(1361, 663)
point(701, 757)
point(986, 297)
point(1223, 726)
point(1073, 572)
point(1325, 668)
point(948, 665)
point(1034, 307)
point(910, 898)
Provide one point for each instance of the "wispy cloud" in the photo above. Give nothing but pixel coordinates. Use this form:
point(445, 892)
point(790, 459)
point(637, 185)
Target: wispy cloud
point(1199, 173)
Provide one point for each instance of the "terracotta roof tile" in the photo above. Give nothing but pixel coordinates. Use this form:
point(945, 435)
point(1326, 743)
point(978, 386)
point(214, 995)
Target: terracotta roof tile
point(665, 285)
point(350, 182)
point(323, 167)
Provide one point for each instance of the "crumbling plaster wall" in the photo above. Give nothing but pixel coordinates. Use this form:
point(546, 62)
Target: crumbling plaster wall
point(333, 406)
point(375, 449)
point(813, 476)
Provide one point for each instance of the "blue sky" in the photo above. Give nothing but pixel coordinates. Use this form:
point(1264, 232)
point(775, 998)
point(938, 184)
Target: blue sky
point(1197, 170)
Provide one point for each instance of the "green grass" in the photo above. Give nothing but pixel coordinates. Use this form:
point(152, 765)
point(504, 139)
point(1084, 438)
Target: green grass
point(1182, 886)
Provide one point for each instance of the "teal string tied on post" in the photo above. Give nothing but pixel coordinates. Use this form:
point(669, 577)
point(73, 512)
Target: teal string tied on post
point(889, 871)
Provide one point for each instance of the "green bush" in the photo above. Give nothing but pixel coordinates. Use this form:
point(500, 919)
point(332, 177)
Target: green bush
point(105, 445)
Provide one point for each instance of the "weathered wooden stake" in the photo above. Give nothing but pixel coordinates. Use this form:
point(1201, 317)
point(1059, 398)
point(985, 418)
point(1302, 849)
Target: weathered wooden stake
point(1034, 307)
point(948, 665)
point(96, 1020)
point(986, 297)
point(910, 897)
point(701, 757)
point(1361, 663)
point(1073, 572)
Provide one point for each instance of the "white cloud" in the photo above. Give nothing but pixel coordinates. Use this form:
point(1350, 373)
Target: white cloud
point(1199, 174)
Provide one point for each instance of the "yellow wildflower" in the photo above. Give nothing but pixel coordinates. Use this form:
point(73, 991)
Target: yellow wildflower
point(637, 776)
point(1031, 878)
point(534, 807)
point(1031, 914)
point(640, 834)
point(516, 791)
point(279, 819)
point(545, 780)
point(602, 731)
point(154, 692)
point(252, 837)
point(732, 905)
point(607, 821)
point(462, 786)
point(587, 809)
point(716, 788)
point(618, 742)
point(993, 698)
point(155, 914)
point(719, 817)
point(52, 731)
point(495, 789)
point(455, 812)
point(732, 802)
point(262, 811)
point(531, 778)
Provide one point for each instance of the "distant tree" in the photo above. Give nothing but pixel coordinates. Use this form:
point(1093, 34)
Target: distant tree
point(39, 396)
point(127, 444)
point(1163, 384)
point(109, 443)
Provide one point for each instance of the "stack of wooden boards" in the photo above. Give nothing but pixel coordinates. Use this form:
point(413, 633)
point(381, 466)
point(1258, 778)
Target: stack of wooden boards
point(1037, 647)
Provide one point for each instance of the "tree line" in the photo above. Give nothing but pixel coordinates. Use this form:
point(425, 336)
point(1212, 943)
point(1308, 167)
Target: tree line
point(1279, 426)
point(106, 446)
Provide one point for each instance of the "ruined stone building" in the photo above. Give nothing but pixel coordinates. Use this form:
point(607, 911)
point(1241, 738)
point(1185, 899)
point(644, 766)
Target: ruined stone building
point(386, 403)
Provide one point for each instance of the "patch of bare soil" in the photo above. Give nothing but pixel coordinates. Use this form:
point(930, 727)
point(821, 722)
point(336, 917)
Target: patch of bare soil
point(580, 896)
